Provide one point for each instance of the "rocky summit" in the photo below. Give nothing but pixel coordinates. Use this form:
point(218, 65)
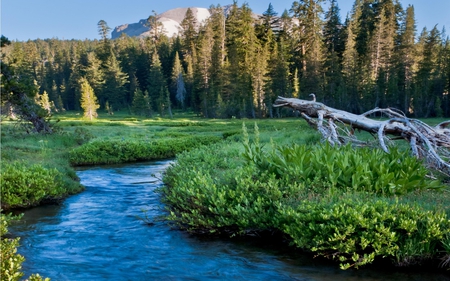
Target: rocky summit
point(170, 21)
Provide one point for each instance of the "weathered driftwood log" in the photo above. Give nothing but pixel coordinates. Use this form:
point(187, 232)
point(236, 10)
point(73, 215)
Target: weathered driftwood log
point(337, 127)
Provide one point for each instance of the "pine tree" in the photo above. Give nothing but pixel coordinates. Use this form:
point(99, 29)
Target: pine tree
point(265, 28)
point(242, 44)
point(279, 77)
point(108, 108)
point(218, 53)
point(310, 47)
point(141, 105)
point(177, 81)
point(181, 90)
point(334, 33)
point(94, 73)
point(406, 60)
point(351, 100)
point(44, 102)
point(113, 88)
point(59, 104)
point(88, 102)
point(156, 27)
point(445, 98)
point(427, 87)
point(188, 32)
point(203, 67)
point(104, 49)
point(156, 84)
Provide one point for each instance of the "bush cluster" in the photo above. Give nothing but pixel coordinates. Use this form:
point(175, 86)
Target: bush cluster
point(120, 151)
point(356, 229)
point(293, 190)
point(26, 185)
point(365, 169)
point(11, 261)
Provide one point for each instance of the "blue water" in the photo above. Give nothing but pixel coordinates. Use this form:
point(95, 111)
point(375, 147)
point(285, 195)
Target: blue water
point(99, 234)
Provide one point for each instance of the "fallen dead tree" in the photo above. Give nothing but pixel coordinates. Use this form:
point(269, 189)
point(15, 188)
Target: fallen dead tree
point(338, 128)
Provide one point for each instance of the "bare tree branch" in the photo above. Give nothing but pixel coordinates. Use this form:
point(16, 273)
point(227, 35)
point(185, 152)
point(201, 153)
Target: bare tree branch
point(429, 143)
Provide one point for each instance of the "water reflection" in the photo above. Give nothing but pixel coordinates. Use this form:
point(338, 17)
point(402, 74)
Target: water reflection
point(96, 235)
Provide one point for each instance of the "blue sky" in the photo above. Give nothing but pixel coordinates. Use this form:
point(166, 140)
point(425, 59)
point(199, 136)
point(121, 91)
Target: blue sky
point(77, 19)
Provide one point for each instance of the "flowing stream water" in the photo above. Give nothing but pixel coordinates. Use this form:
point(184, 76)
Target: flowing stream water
point(98, 235)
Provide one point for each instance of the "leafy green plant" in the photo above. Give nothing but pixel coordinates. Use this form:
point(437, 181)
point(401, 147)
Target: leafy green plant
point(11, 261)
point(120, 151)
point(326, 209)
point(359, 169)
point(27, 185)
point(356, 229)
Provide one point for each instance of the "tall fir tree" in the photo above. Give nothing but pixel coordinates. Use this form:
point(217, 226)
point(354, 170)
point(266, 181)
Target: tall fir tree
point(218, 53)
point(105, 48)
point(141, 104)
point(188, 32)
point(175, 81)
point(203, 69)
point(113, 88)
point(310, 47)
point(156, 27)
point(157, 85)
point(241, 43)
point(406, 60)
point(88, 102)
point(333, 35)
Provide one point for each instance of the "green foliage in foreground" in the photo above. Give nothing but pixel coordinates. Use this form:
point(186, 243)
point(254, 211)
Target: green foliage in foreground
point(11, 261)
point(219, 189)
point(120, 151)
point(26, 185)
point(356, 228)
point(368, 170)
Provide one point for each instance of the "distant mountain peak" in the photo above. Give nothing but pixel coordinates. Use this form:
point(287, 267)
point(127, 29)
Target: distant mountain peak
point(170, 19)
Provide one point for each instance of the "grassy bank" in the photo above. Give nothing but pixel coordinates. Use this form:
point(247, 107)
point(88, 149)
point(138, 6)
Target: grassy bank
point(38, 169)
point(352, 206)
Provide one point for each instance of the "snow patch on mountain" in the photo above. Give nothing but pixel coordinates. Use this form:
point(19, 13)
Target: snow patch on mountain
point(170, 20)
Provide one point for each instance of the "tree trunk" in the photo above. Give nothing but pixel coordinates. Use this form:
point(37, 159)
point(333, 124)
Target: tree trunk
point(337, 127)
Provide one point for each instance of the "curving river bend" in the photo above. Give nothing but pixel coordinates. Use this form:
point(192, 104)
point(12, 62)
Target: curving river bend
point(97, 235)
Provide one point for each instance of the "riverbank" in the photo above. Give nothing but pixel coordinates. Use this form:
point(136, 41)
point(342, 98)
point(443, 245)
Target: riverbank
point(233, 187)
point(354, 206)
point(38, 168)
point(112, 230)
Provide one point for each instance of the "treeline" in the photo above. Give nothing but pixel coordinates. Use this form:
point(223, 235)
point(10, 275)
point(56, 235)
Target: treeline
point(236, 64)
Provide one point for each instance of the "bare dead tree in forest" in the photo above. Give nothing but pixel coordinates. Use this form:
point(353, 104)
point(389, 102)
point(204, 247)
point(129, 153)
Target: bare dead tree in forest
point(338, 128)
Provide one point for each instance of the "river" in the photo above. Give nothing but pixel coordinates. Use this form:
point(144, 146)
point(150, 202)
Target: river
point(99, 234)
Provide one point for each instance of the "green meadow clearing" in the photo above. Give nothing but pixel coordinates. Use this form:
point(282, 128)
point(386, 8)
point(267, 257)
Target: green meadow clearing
point(246, 177)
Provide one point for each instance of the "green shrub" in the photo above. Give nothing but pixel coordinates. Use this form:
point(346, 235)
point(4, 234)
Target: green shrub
point(11, 261)
point(219, 189)
point(120, 151)
point(356, 229)
point(358, 169)
point(27, 185)
point(208, 190)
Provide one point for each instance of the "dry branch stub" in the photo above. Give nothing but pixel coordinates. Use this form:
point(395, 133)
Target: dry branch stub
point(337, 127)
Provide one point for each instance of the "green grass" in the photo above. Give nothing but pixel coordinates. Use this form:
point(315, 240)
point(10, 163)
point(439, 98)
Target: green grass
point(241, 198)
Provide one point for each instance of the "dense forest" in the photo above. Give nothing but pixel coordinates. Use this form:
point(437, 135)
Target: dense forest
point(236, 64)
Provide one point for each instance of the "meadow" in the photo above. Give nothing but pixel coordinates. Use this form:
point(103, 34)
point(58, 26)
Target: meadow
point(249, 177)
